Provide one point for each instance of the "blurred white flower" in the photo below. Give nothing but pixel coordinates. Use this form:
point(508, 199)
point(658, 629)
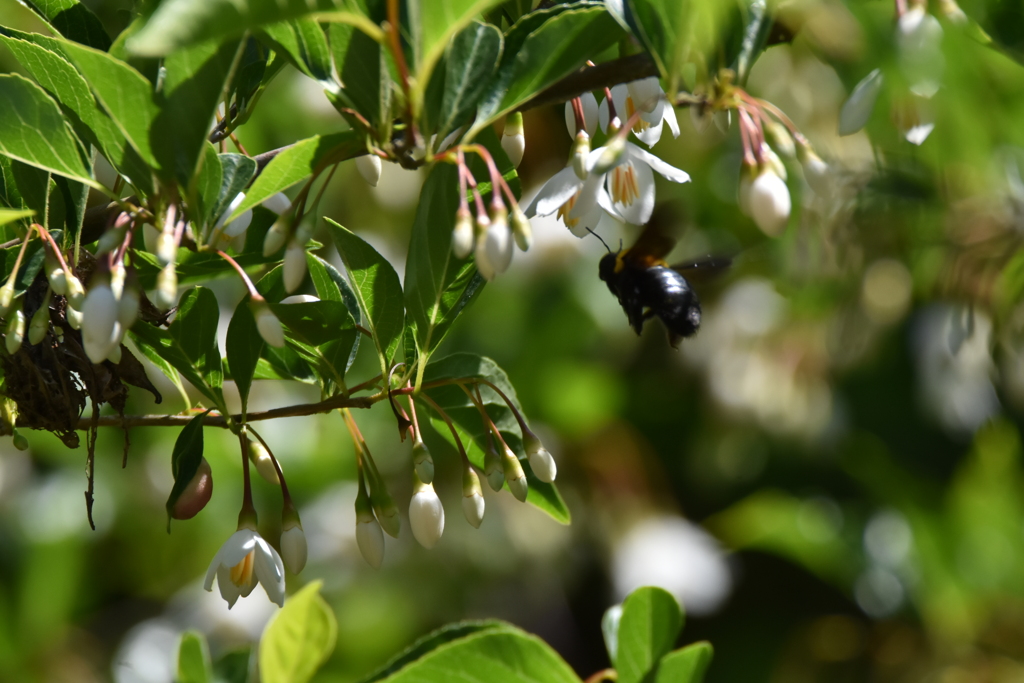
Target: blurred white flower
point(647, 97)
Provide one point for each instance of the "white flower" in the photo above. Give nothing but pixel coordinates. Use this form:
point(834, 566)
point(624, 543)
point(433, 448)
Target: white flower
point(241, 562)
point(647, 97)
point(99, 319)
point(369, 167)
point(562, 192)
point(293, 547)
point(590, 115)
point(630, 184)
point(426, 515)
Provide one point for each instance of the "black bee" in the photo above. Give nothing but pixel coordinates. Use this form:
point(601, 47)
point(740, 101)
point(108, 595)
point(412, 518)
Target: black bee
point(647, 286)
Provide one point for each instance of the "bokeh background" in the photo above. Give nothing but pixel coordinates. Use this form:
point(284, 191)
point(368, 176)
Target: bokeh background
point(828, 476)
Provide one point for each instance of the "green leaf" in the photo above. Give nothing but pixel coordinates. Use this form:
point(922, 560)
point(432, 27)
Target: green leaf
point(437, 284)
point(177, 23)
point(299, 161)
point(299, 638)
point(73, 20)
point(377, 287)
point(194, 659)
point(610, 630)
point(236, 172)
point(332, 286)
point(194, 81)
point(11, 215)
point(233, 667)
point(471, 60)
point(75, 197)
point(33, 130)
point(434, 23)
point(560, 46)
point(303, 42)
point(432, 641)
point(650, 623)
point(185, 460)
point(494, 655)
point(362, 65)
point(43, 58)
point(163, 366)
point(470, 426)
point(243, 346)
point(195, 329)
point(125, 94)
point(686, 665)
point(314, 322)
point(207, 185)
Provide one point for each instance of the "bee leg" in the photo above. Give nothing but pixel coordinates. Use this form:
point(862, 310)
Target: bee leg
point(674, 340)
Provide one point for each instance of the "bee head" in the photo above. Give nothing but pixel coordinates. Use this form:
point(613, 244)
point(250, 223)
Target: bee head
point(606, 266)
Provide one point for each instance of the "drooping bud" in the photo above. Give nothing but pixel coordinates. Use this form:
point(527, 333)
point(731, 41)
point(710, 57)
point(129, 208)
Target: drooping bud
point(278, 203)
point(55, 274)
point(462, 234)
point(858, 107)
point(7, 294)
point(117, 277)
point(111, 239)
point(541, 462)
point(483, 261)
point(196, 495)
point(426, 514)
point(779, 137)
point(74, 317)
point(386, 511)
point(166, 288)
point(492, 468)
point(99, 319)
point(521, 229)
point(369, 166)
point(772, 160)
point(513, 140)
point(166, 249)
point(267, 324)
point(261, 459)
point(277, 236)
point(422, 462)
point(472, 497)
point(294, 269)
point(15, 332)
point(294, 550)
point(770, 203)
point(613, 151)
point(498, 241)
point(40, 324)
point(150, 235)
point(514, 475)
point(128, 306)
point(369, 536)
point(579, 154)
point(75, 293)
point(816, 171)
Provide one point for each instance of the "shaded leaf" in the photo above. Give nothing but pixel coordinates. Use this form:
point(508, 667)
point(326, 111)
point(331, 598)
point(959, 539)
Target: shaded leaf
point(243, 346)
point(194, 659)
point(73, 20)
point(305, 45)
point(471, 60)
point(185, 459)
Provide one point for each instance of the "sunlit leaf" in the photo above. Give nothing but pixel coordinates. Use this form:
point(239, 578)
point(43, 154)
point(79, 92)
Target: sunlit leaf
point(299, 638)
point(648, 628)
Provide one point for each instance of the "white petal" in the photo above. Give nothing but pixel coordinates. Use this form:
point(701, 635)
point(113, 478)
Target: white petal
point(294, 268)
point(369, 166)
point(650, 135)
point(663, 169)
point(620, 93)
point(603, 115)
point(269, 570)
point(919, 133)
point(646, 93)
point(858, 107)
point(604, 200)
point(590, 113)
point(99, 316)
point(370, 540)
point(587, 201)
point(426, 517)
point(570, 119)
point(294, 549)
point(237, 547)
point(667, 114)
point(473, 507)
point(239, 225)
point(228, 590)
point(639, 212)
point(554, 193)
point(278, 203)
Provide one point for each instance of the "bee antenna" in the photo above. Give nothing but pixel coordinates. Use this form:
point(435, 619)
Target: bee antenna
point(599, 237)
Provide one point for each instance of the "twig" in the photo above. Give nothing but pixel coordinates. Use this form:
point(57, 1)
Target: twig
point(606, 74)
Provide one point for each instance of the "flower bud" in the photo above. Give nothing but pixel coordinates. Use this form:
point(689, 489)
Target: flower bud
point(294, 269)
point(513, 140)
point(521, 229)
point(40, 324)
point(426, 514)
point(15, 332)
point(780, 138)
point(111, 239)
point(610, 156)
point(462, 234)
point(75, 293)
point(816, 172)
point(472, 497)
point(422, 462)
point(369, 536)
point(166, 249)
point(492, 469)
point(166, 288)
point(261, 459)
point(196, 495)
point(7, 294)
point(20, 442)
point(277, 236)
point(55, 274)
point(369, 166)
point(483, 261)
point(99, 319)
point(770, 203)
point(268, 324)
point(117, 277)
point(579, 154)
point(278, 203)
point(772, 160)
point(498, 241)
point(386, 511)
point(74, 317)
point(514, 475)
point(128, 307)
point(541, 462)
point(293, 546)
point(858, 106)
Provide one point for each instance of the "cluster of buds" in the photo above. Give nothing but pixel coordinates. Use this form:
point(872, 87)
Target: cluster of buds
point(490, 235)
point(246, 558)
point(766, 134)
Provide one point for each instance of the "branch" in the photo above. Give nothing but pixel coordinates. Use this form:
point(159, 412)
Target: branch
point(217, 420)
point(591, 78)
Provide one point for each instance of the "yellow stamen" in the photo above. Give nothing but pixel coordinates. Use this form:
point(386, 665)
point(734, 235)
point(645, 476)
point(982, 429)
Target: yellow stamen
point(640, 125)
point(565, 209)
point(624, 184)
point(241, 573)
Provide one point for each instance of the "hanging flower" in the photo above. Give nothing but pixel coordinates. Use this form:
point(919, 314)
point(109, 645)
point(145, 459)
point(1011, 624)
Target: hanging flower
point(243, 560)
point(562, 192)
point(630, 183)
point(647, 97)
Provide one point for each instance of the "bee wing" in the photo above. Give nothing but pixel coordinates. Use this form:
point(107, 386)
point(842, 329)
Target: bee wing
point(702, 269)
point(652, 246)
